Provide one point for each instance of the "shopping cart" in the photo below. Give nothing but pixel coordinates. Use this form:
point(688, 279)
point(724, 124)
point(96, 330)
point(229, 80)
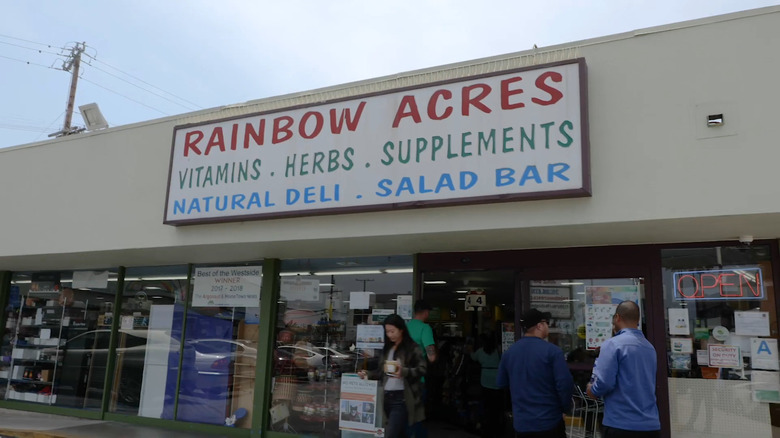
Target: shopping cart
point(585, 415)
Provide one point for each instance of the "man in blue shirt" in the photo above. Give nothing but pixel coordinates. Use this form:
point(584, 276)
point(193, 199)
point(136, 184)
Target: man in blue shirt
point(539, 380)
point(624, 375)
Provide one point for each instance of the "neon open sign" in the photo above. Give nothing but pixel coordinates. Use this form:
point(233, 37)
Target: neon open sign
point(722, 284)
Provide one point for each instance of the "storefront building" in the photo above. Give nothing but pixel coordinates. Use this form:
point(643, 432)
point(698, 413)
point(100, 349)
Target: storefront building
point(228, 270)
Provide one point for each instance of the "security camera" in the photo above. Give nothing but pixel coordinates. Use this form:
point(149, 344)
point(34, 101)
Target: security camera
point(746, 239)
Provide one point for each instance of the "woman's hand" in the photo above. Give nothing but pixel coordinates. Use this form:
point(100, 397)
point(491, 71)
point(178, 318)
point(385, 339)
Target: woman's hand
point(362, 374)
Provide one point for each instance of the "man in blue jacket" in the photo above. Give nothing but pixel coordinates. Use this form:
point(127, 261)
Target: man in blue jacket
point(539, 380)
point(624, 375)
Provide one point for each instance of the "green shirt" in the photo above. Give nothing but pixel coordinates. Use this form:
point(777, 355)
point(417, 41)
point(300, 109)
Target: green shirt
point(421, 333)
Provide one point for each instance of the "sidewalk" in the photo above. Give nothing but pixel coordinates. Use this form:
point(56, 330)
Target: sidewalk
point(22, 424)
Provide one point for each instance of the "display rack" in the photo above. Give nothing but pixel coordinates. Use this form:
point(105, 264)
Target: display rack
point(41, 328)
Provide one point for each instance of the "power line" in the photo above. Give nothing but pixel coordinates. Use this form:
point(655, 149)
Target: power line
point(122, 95)
point(30, 48)
point(142, 81)
point(27, 62)
point(141, 88)
point(31, 42)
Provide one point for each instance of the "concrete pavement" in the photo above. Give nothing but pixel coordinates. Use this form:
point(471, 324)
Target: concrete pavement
point(23, 424)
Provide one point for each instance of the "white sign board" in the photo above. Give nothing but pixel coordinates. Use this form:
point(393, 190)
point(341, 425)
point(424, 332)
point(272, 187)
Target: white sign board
point(725, 356)
point(600, 305)
point(358, 407)
point(513, 135)
point(751, 323)
point(370, 336)
point(90, 279)
point(475, 299)
point(227, 287)
point(763, 354)
point(554, 299)
point(300, 289)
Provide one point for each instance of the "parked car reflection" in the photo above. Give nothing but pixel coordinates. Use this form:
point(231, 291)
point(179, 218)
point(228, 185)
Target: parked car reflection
point(207, 364)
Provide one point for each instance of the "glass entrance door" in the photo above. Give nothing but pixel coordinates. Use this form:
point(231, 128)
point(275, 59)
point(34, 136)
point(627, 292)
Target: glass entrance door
point(473, 311)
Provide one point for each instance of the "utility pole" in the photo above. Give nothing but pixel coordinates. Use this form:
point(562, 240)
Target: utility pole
point(73, 62)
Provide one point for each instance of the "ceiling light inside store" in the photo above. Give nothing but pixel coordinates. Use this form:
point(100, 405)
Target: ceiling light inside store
point(326, 284)
point(292, 274)
point(461, 291)
point(399, 271)
point(435, 282)
point(571, 283)
point(461, 299)
point(373, 271)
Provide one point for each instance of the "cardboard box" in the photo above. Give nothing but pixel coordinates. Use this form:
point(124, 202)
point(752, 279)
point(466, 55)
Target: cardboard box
point(46, 375)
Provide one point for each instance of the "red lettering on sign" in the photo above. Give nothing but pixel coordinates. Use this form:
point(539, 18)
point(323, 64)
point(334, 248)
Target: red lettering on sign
point(506, 93)
point(407, 108)
point(729, 284)
point(191, 144)
point(256, 135)
point(318, 121)
point(476, 102)
point(446, 94)
point(282, 132)
point(217, 140)
point(555, 94)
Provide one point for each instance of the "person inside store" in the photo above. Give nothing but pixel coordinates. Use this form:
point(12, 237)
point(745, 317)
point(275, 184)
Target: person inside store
point(624, 376)
point(422, 334)
point(491, 395)
point(401, 368)
point(539, 380)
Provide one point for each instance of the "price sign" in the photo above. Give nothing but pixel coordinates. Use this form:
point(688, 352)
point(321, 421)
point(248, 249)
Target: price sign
point(474, 299)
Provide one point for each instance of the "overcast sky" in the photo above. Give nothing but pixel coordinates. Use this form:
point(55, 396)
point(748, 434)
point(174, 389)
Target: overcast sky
point(149, 59)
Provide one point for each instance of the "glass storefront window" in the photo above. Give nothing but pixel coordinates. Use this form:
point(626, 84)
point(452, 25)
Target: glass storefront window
point(220, 345)
point(323, 306)
point(148, 340)
point(581, 311)
point(54, 351)
point(721, 327)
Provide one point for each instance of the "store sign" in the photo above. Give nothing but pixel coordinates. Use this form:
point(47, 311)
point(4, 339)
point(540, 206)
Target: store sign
point(719, 284)
point(227, 287)
point(476, 299)
point(508, 136)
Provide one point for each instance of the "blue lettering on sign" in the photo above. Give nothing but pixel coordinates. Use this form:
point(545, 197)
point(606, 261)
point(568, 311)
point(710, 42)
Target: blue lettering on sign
point(763, 346)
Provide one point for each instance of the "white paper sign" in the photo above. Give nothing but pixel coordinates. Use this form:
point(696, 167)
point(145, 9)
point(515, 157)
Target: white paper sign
point(90, 279)
point(725, 356)
point(678, 322)
point(300, 289)
point(358, 406)
point(359, 300)
point(766, 386)
point(703, 358)
point(227, 287)
point(404, 306)
point(600, 305)
point(378, 315)
point(682, 345)
point(370, 336)
point(751, 323)
point(763, 354)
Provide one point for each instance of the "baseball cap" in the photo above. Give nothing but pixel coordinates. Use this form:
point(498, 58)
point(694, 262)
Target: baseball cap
point(533, 317)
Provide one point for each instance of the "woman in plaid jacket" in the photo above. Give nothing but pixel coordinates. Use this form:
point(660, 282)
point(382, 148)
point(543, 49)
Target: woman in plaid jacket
point(400, 368)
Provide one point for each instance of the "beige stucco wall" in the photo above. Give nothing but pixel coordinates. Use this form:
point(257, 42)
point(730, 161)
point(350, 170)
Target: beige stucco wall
point(658, 174)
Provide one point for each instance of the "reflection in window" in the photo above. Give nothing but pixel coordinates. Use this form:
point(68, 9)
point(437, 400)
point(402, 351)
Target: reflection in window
point(53, 350)
point(220, 347)
point(720, 310)
point(316, 334)
point(148, 341)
